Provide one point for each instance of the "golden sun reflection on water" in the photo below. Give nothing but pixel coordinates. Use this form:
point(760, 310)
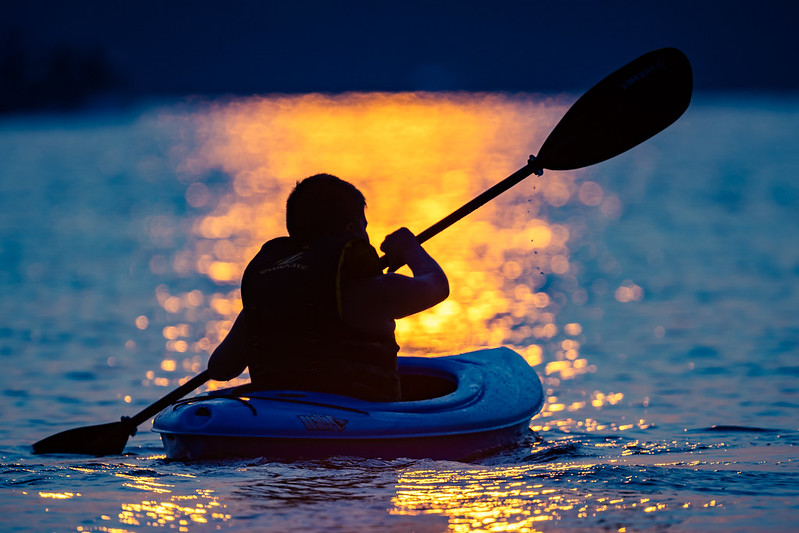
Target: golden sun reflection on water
point(523, 498)
point(180, 514)
point(188, 512)
point(417, 157)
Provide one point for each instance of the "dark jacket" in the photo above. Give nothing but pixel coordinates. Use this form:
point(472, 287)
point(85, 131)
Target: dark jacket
point(296, 335)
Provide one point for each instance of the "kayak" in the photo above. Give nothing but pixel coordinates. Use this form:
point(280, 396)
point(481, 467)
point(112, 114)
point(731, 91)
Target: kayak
point(453, 407)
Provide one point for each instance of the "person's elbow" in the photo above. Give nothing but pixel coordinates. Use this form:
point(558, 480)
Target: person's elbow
point(439, 289)
point(222, 367)
point(228, 359)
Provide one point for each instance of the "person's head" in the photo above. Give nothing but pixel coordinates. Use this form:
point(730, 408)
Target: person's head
point(323, 205)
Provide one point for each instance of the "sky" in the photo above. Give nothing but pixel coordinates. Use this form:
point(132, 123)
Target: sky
point(180, 47)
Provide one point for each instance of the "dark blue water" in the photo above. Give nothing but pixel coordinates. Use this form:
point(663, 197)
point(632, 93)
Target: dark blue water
point(682, 415)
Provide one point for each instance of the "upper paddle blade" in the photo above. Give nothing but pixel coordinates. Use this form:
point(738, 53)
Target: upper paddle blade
point(103, 439)
point(623, 110)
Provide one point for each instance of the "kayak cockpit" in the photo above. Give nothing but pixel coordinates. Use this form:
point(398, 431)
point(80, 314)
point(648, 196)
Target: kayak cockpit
point(425, 383)
point(418, 383)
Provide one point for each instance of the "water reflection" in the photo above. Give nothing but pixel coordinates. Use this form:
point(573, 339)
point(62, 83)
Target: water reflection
point(179, 512)
point(530, 498)
point(176, 512)
point(59, 495)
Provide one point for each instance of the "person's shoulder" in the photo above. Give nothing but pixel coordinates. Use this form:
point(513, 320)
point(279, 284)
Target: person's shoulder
point(278, 243)
point(274, 250)
point(359, 260)
point(277, 248)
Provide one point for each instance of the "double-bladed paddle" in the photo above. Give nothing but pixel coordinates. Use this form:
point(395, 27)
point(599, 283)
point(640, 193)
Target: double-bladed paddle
point(623, 110)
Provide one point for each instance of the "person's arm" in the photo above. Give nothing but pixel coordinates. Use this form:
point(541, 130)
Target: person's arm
point(390, 296)
point(228, 359)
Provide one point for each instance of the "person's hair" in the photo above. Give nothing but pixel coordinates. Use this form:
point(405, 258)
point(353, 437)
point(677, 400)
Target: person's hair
point(322, 205)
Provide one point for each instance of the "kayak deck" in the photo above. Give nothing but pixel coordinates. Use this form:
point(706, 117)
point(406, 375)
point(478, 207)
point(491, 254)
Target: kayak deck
point(452, 407)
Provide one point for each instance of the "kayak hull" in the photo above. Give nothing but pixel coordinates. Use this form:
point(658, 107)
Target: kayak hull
point(452, 447)
point(457, 407)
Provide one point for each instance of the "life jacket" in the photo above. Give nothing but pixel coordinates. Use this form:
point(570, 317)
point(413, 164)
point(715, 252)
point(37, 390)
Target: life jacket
point(297, 337)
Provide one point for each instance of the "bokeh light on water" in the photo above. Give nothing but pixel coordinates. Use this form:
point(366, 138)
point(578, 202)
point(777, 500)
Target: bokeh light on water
point(417, 157)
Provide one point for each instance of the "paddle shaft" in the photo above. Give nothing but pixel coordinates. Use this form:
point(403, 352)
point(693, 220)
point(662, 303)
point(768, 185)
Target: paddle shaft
point(195, 382)
point(486, 196)
point(482, 199)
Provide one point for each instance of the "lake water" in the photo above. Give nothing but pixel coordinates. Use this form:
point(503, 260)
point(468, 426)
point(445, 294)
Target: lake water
point(656, 295)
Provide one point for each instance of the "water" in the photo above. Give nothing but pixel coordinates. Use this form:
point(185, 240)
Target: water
point(667, 340)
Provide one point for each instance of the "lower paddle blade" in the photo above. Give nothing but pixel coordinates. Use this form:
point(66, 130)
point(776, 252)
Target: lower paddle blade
point(103, 439)
point(110, 439)
point(623, 110)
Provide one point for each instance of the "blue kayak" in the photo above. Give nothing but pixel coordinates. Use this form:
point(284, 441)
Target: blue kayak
point(453, 407)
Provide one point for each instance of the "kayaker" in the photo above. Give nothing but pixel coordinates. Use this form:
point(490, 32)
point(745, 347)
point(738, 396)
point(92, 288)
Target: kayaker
point(318, 310)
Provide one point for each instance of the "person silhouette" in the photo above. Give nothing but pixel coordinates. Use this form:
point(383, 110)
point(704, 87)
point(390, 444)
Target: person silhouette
point(318, 311)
